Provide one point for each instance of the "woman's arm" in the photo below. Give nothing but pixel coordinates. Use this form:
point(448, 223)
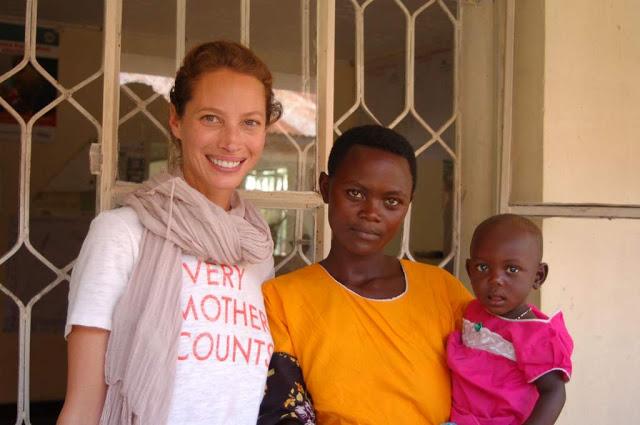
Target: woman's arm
point(552, 397)
point(286, 400)
point(86, 388)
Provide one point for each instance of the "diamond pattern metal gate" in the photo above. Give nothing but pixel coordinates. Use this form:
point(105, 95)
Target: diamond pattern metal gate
point(339, 70)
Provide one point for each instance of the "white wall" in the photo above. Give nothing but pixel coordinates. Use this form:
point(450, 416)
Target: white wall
point(592, 154)
point(592, 101)
point(478, 108)
point(593, 280)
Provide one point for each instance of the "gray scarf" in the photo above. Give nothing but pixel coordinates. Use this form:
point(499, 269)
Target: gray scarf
point(142, 351)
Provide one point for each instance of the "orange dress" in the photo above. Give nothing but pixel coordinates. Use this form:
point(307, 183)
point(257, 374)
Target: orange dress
point(367, 361)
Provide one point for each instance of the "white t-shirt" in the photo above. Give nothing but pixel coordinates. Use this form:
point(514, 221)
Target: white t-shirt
point(225, 345)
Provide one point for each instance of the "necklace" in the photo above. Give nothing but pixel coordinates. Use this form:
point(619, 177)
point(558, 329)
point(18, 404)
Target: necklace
point(524, 313)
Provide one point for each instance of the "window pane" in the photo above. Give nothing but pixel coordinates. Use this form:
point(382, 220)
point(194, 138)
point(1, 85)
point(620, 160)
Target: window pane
point(62, 194)
point(147, 68)
point(576, 105)
point(432, 208)
point(386, 83)
point(208, 21)
point(9, 352)
point(283, 34)
point(293, 233)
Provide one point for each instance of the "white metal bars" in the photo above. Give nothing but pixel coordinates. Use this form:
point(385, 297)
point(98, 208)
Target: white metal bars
point(110, 103)
point(26, 130)
point(326, 65)
point(410, 109)
point(305, 199)
point(298, 200)
point(245, 21)
point(535, 209)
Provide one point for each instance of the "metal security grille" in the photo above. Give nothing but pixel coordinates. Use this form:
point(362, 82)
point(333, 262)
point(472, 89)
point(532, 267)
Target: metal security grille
point(308, 234)
point(297, 206)
point(23, 241)
point(411, 12)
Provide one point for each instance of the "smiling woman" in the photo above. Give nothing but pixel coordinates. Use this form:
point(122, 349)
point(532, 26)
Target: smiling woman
point(221, 105)
point(145, 329)
point(221, 131)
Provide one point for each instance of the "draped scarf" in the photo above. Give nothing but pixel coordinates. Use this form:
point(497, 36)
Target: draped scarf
point(142, 351)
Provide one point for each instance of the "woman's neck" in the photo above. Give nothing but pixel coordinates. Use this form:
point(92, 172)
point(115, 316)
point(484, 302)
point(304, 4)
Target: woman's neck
point(350, 269)
point(221, 198)
point(377, 276)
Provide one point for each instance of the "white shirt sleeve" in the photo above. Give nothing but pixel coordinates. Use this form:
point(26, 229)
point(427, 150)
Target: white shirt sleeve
point(103, 268)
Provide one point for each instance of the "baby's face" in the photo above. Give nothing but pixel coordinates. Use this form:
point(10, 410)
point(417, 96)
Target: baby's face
point(504, 267)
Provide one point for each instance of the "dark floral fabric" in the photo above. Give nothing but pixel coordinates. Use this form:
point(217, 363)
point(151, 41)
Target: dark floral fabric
point(286, 400)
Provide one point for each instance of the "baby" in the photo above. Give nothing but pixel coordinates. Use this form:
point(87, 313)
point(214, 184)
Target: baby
point(510, 362)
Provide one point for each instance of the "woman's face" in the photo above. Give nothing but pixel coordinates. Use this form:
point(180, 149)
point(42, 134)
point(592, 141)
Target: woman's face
point(368, 198)
point(222, 131)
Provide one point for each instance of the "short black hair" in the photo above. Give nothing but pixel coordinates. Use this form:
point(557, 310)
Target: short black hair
point(517, 223)
point(377, 137)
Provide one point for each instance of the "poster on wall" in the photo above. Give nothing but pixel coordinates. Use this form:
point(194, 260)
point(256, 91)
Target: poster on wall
point(28, 91)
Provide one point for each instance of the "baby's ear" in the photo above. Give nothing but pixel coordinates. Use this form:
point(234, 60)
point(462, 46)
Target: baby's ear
point(541, 275)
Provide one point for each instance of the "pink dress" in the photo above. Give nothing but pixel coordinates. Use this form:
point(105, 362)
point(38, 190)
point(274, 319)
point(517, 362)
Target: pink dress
point(494, 362)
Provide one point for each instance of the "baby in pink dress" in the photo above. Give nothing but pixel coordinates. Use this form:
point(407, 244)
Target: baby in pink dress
point(510, 362)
